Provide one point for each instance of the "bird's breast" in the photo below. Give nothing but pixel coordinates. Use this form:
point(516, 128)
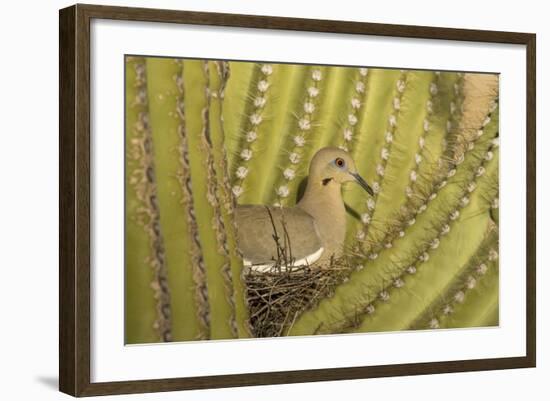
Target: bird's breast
point(330, 219)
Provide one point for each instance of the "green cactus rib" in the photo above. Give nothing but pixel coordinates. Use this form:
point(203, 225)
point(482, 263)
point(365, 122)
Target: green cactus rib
point(428, 185)
point(427, 159)
point(147, 318)
point(427, 274)
point(416, 196)
point(211, 123)
point(218, 77)
point(480, 307)
point(440, 110)
point(358, 290)
point(381, 88)
point(330, 114)
point(298, 137)
point(237, 103)
point(368, 232)
point(495, 208)
point(264, 142)
point(445, 256)
point(205, 201)
point(355, 116)
point(163, 76)
point(336, 118)
point(433, 162)
point(490, 199)
point(334, 109)
point(425, 186)
point(198, 266)
point(250, 114)
point(490, 170)
point(456, 290)
point(251, 130)
point(405, 134)
point(140, 310)
point(292, 84)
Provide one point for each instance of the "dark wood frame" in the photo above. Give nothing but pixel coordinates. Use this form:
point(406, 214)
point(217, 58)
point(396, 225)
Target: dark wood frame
point(74, 199)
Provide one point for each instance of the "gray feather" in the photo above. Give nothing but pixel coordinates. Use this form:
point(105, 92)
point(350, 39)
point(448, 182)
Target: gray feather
point(256, 231)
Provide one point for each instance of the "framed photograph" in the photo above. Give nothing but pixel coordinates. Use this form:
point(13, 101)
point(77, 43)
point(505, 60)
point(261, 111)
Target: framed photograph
point(251, 200)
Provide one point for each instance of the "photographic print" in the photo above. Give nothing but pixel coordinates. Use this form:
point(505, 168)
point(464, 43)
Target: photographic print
point(277, 199)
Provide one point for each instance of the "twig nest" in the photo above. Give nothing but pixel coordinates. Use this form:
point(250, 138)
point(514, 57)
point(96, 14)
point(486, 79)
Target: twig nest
point(277, 296)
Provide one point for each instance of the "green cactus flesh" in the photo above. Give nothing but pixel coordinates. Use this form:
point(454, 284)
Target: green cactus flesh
point(148, 314)
point(204, 136)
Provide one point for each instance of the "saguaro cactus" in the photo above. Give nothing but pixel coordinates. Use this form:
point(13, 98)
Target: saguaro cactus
point(192, 205)
point(386, 266)
point(149, 317)
point(421, 253)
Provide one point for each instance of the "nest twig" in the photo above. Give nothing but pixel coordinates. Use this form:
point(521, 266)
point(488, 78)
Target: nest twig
point(277, 297)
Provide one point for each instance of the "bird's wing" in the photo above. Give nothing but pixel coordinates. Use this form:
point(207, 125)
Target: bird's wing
point(270, 234)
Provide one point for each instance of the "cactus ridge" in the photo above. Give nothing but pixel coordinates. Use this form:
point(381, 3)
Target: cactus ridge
point(396, 278)
point(418, 196)
point(358, 292)
point(147, 214)
point(477, 304)
point(240, 321)
point(196, 257)
point(426, 190)
point(291, 163)
point(252, 120)
point(455, 293)
point(430, 142)
point(355, 111)
point(212, 196)
point(365, 233)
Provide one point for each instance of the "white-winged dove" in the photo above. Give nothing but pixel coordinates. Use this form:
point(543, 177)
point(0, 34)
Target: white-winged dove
point(312, 231)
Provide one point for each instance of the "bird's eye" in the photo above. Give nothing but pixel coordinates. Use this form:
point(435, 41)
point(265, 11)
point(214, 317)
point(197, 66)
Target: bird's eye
point(339, 162)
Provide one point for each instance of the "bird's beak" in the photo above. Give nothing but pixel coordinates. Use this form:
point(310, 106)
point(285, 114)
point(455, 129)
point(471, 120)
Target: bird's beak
point(363, 183)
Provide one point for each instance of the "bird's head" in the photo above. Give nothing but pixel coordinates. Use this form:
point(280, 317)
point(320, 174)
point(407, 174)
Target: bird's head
point(333, 165)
